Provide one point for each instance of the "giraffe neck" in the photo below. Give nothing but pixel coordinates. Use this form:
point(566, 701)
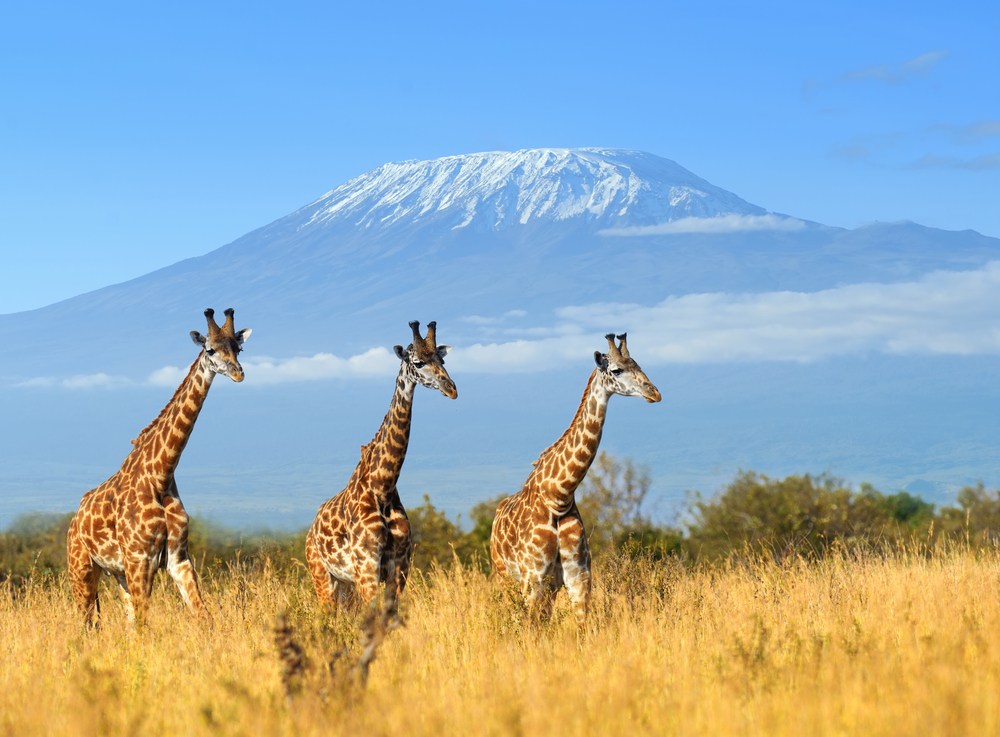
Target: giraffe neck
point(158, 448)
point(382, 459)
point(561, 468)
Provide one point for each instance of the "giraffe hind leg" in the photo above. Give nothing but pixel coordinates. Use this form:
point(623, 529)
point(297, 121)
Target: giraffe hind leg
point(178, 561)
point(84, 581)
point(327, 588)
point(574, 557)
point(84, 576)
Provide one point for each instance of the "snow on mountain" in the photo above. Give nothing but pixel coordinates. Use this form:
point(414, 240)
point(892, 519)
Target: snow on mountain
point(494, 190)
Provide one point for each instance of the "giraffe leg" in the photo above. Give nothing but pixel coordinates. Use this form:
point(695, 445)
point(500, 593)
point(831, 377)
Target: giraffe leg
point(366, 570)
point(402, 544)
point(139, 572)
point(538, 595)
point(327, 588)
point(178, 561)
point(84, 576)
point(574, 556)
point(126, 597)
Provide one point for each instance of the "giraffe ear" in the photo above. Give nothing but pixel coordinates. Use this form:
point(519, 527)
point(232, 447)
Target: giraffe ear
point(242, 335)
point(198, 338)
point(443, 350)
point(400, 353)
point(601, 360)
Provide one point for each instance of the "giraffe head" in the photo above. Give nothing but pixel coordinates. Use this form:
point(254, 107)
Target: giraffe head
point(621, 375)
point(423, 360)
point(222, 345)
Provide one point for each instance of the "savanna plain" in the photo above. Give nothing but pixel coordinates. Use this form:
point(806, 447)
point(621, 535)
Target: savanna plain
point(832, 635)
point(895, 644)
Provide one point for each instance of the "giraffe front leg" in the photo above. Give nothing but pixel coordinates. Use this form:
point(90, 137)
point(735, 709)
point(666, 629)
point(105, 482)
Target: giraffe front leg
point(178, 561)
point(367, 561)
point(126, 597)
point(574, 555)
point(139, 572)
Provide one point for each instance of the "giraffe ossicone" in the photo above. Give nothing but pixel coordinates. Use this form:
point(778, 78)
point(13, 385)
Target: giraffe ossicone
point(134, 523)
point(361, 537)
point(538, 537)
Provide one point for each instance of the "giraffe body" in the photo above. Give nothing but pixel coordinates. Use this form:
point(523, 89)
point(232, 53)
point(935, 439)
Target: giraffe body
point(361, 537)
point(134, 523)
point(538, 537)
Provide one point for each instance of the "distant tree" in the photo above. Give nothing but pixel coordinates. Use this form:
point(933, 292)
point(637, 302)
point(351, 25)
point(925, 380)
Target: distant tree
point(803, 515)
point(977, 517)
point(481, 516)
point(610, 501)
point(35, 543)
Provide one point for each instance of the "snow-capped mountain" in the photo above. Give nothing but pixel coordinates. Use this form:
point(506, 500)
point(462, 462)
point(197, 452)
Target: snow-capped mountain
point(494, 190)
point(483, 234)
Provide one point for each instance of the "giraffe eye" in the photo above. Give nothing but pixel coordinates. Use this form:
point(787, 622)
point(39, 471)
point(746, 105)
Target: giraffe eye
point(418, 364)
point(618, 372)
point(210, 351)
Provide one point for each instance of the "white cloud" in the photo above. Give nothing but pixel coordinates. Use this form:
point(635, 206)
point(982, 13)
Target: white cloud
point(167, 376)
point(374, 362)
point(731, 223)
point(954, 313)
point(479, 320)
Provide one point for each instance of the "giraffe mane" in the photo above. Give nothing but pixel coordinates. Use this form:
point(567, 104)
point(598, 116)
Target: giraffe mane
point(579, 411)
point(146, 431)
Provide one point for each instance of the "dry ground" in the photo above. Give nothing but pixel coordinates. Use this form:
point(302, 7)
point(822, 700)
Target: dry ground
point(877, 646)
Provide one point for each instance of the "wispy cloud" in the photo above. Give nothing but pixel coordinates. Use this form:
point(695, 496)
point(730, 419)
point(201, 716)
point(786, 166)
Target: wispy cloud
point(721, 224)
point(972, 134)
point(80, 381)
point(897, 73)
point(478, 320)
point(979, 163)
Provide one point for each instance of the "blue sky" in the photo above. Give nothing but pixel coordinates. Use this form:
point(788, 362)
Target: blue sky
point(135, 136)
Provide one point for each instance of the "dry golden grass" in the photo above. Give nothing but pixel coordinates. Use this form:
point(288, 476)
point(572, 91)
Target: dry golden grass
point(877, 646)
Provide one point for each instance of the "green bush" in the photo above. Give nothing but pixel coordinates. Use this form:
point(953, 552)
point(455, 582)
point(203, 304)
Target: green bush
point(34, 544)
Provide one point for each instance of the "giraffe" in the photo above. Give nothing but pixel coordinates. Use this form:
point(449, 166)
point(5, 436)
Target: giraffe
point(361, 537)
point(538, 538)
point(134, 523)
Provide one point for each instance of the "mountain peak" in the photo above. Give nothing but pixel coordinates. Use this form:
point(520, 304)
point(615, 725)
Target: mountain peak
point(497, 189)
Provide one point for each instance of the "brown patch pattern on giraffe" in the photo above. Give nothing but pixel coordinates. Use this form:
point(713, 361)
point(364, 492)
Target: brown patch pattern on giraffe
point(361, 537)
point(134, 523)
point(538, 538)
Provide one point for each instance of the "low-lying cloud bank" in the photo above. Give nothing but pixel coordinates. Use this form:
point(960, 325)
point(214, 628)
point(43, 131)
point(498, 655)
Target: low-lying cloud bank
point(944, 313)
point(721, 224)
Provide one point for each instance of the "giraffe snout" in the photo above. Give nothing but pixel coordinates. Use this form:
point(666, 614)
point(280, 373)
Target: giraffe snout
point(652, 394)
point(236, 373)
point(449, 389)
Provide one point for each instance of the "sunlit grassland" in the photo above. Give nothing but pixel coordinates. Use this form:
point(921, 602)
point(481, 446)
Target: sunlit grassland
point(872, 645)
